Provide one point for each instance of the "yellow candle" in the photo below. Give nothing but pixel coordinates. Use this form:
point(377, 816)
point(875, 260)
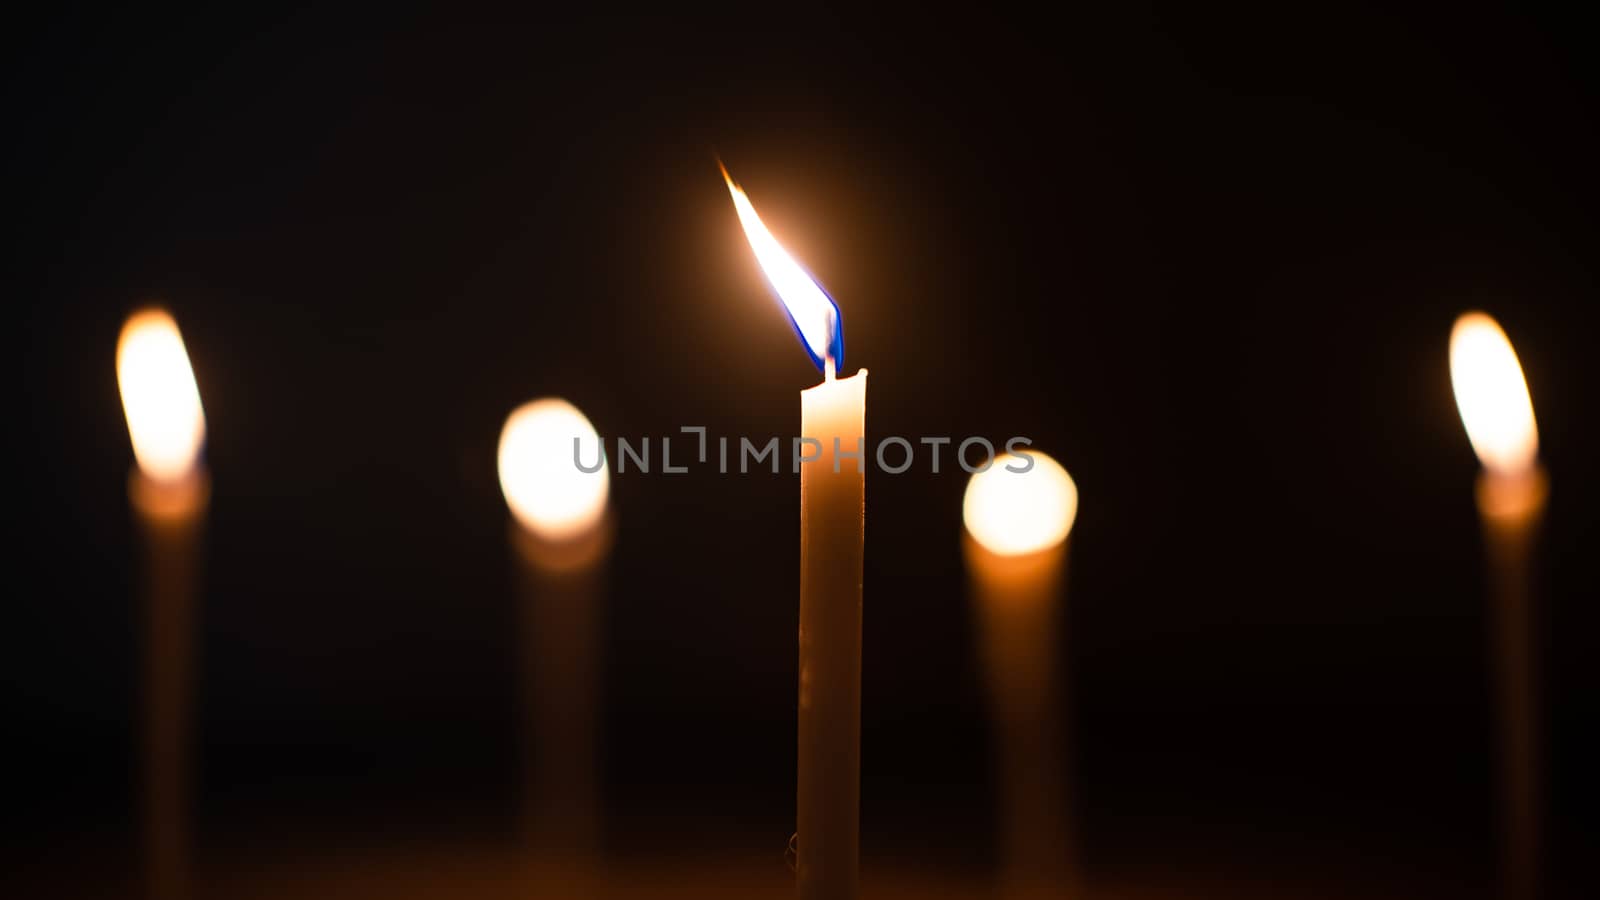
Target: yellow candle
point(832, 523)
point(1495, 407)
point(832, 518)
point(1018, 513)
point(169, 490)
point(560, 535)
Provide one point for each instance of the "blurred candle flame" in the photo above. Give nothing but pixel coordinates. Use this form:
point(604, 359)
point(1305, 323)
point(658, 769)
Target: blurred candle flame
point(1492, 395)
point(539, 474)
point(159, 396)
point(1014, 513)
point(814, 314)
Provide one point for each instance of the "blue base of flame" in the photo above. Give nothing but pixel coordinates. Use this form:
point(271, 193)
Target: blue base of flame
point(836, 338)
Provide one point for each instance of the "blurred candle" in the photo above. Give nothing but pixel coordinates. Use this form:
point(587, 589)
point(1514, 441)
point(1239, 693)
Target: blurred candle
point(560, 535)
point(169, 490)
point(1015, 546)
point(1492, 396)
point(832, 530)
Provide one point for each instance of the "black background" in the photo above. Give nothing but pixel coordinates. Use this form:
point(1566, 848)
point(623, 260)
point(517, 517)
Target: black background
point(1208, 260)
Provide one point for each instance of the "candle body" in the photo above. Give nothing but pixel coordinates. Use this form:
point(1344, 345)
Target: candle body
point(170, 517)
point(1017, 603)
point(1511, 508)
point(560, 584)
point(832, 521)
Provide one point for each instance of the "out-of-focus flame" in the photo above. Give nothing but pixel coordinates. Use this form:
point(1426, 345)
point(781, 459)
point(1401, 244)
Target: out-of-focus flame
point(1014, 513)
point(539, 474)
point(1492, 395)
point(159, 396)
point(813, 312)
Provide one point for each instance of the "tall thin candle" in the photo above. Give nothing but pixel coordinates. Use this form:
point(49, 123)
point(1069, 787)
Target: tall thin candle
point(169, 490)
point(560, 537)
point(832, 531)
point(1492, 396)
point(1018, 513)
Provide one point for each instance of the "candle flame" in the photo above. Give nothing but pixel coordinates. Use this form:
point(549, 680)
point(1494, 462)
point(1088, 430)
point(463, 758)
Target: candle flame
point(1015, 513)
point(1492, 395)
point(159, 396)
point(814, 314)
point(539, 474)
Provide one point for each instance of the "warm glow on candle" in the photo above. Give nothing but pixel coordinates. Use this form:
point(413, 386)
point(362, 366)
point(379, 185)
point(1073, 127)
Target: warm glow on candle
point(159, 396)
point(1013, 513)
point(1492, 395)
point(813, 312)
point(539, 473)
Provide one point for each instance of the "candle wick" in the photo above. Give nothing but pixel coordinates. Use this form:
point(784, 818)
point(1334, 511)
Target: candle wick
point(828, 373)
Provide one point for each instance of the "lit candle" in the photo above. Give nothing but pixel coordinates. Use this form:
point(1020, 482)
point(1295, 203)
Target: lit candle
point(1018, 513)
point(1492, 396)
point(560, 535)
point(169, 490)
point(832, 519)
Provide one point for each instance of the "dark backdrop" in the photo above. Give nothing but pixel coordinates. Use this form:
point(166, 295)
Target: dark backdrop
point(1208, 260)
